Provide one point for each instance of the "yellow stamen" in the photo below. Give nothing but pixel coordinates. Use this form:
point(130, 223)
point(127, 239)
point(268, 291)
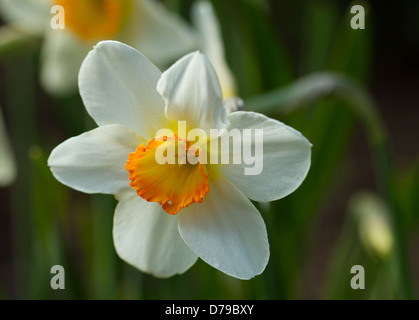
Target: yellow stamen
point(174, 186)
point(95, 19)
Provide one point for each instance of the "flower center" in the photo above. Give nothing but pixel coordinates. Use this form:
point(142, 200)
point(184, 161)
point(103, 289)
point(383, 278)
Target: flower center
point(95, 19)
point(174, 186)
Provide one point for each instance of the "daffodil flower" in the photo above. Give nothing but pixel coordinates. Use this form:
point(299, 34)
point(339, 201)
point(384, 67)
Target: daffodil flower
point(144, 24)
point(169, 215)
point(7, 163)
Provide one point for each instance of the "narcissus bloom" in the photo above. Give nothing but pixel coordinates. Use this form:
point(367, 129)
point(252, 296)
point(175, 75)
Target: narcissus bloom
point(169, 215)
point(145, 24)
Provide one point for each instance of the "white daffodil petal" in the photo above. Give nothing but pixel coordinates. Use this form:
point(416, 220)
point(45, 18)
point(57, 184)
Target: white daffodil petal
point(212, 45)
point(31, 16)
point(7, 164)
point(192, 93)
point(148, 238)
point(286, 158)
point(94, 162)
point(118, 85)
point(161, 35)
point(62, 55)
point(226, 231)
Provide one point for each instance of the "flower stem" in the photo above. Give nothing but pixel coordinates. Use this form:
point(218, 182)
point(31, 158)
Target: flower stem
point(320, 85)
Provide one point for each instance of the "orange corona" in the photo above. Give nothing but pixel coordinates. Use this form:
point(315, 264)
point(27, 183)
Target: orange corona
point(174, 186)
point(95, 19)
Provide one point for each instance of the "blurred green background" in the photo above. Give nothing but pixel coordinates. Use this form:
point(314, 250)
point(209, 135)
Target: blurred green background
point(358, 205)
